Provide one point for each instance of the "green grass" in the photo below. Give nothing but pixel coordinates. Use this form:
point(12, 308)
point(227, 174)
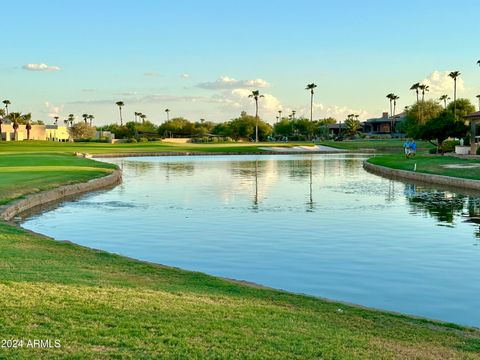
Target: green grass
point(430, 164)
point(388, 146)
point(101, 305)
point(22, 174)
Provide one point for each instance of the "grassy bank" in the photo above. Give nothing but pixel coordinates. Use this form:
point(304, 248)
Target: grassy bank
point(432, 164)
point(22, 174)
point(384, 146)
point(101, 305)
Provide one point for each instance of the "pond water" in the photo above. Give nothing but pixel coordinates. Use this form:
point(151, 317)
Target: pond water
point(313, 224)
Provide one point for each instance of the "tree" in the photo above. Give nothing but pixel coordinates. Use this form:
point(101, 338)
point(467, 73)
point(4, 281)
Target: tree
point(143, 117)
point(311, 87)
point(429, 109)
point(424, 88)
point(444, 98)
point(71, 119)
point(394, 98)
point(442, 127)
point(82, 130)
point(454, 75)
point(352, 126)
point(256, 95)
point(6, 103)
point(478, 97)
point(91, 117)
point(415, 87)
point(390, 98)
point(56, 120)
point(167, 111)
point(85, 117)
point(28, 127)
point(120, 104)
point(462, 107)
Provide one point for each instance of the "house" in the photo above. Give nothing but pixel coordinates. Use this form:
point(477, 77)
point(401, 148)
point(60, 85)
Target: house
point(382, 125)
point(37, 132)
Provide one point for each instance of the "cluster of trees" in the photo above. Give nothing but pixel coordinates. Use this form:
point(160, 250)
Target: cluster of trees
point(428, 120)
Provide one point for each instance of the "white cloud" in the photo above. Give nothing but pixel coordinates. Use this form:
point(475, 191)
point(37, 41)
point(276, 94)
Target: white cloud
point(440, 83)
point(40, 67)
point(88, 90)
point(53, 110)
point(152, 74)
point(226, 82)
point(185, 76)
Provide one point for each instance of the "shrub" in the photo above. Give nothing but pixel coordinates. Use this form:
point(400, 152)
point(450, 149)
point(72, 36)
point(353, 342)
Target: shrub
point(143, 140)
point(449, 145)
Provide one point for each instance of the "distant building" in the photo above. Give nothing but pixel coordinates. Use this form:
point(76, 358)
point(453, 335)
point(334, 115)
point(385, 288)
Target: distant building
point(37, 132)
point(382, 125)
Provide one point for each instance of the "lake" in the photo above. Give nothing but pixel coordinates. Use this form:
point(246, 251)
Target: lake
point(312, 224)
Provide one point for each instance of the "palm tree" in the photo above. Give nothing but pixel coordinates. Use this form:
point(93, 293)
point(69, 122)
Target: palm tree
point(478, 97)
point(120, 104)
point(136, 115)
point(13, 117)
point(311, 87)
point(91, 117)
point(424, 88)
point(280, 114)
point(293, 114)
point(143, 116)
point(478, 62)
point(56, 120)
point(6, 103)
point(167, 112)
point(256, 95)
point(415, 87)
point(390, 98)
point(454, 75)
point(394, 98)
point(85, 117)
point(71, 118)
point(28, 127)
point(444, 98)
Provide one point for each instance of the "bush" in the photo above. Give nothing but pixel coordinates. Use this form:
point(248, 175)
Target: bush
point(143, 140)
point(449, 145)
point(131, 140)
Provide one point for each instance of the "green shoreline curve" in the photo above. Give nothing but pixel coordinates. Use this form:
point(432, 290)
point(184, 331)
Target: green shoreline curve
point(363, 332)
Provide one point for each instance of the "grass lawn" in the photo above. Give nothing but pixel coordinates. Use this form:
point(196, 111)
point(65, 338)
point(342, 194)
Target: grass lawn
point(101, 305)
point(431, 164)
point(22, 174)
point(378, 145)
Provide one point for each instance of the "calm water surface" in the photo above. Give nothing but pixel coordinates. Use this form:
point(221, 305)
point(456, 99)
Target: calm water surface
point(314, 224)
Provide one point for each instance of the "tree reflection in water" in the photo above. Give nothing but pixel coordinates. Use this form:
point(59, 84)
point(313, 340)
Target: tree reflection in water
point(445, 206)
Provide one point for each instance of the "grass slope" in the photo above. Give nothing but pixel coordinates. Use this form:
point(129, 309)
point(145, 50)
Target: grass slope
point(388, 146)
point(101, 305)
point(430, 164)
point(22, 174)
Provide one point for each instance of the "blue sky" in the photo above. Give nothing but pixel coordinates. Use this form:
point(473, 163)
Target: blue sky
point(200, 59)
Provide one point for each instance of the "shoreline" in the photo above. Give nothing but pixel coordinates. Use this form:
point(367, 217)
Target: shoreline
point(63, 193)
point(432, 179)
point(197, 153)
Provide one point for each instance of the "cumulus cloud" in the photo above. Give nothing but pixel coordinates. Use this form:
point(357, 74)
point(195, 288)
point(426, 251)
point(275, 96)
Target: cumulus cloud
point(151, 74)
point(53, 110)
point(185, 76)
point(226, 82)
point(440, 83)
point(40, 67)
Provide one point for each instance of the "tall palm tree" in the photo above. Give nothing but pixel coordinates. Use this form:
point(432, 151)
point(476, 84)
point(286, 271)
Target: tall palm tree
point(136, 115)
point(6, 103)
point(256, 95)
point(56, 120)
point(14, 117)
point(71, 118)
point(390, 98)
point(293, 114)
point(167, 111)
point(454, 75)
point(311, 87)
point(143, 117)
point(280, 114)
point(85, 117)
point(478, 62)
point(394, 98)
point(478, 97)
point(415, 87)
point(28, 127)
point(120, 104)
point(91, 117)
point(424, 88)
point(444, 98)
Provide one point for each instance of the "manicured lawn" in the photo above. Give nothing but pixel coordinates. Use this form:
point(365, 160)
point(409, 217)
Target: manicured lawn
point(431, 164)
point(22, 174)
point(378, 145)
point(101, 305)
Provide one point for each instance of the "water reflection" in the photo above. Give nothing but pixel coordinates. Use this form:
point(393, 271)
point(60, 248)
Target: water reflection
point(315, 224)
